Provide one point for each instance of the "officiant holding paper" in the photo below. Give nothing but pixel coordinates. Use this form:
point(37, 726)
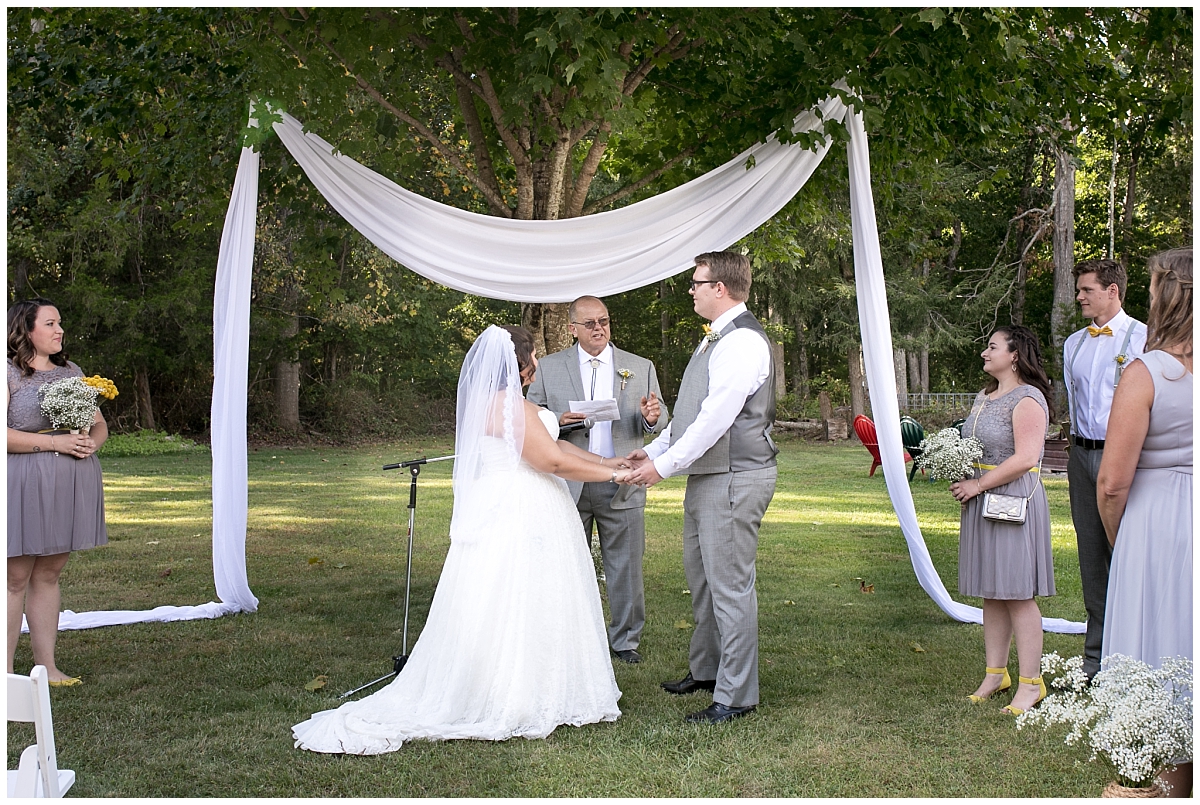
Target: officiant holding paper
point(574, 384)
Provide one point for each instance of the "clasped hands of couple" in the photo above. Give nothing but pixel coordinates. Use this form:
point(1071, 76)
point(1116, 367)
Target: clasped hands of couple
point(635, 469)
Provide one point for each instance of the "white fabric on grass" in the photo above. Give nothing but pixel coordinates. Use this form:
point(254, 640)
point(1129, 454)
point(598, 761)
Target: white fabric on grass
point(549, 261)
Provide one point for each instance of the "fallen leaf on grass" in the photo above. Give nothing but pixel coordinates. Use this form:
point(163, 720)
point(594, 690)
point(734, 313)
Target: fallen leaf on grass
point(165, 573)
point(916, 647)
point(837, 662)
point(863, 587)
point(317, 683)
point(682, 625)
point(687, 592)
point(835, 585)
point(316, 560)
point(789, 603)
point(341, 565)
point(152, 542)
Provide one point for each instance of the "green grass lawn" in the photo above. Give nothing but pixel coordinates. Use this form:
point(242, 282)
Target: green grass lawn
point(862, 694)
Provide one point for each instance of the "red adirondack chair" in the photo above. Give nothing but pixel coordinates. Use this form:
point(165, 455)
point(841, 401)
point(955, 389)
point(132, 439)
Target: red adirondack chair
point(865, 429)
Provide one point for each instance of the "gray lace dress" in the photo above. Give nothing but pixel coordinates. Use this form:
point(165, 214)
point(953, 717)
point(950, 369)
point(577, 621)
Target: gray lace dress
point(55, 502)
point(1004, 560)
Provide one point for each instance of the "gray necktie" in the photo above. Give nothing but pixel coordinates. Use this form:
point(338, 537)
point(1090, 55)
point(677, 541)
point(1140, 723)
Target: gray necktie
point(594, 363)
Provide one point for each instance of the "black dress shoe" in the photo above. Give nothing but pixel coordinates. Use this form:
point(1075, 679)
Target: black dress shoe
point(688, 685)
point(717, 713)
point(628, 655)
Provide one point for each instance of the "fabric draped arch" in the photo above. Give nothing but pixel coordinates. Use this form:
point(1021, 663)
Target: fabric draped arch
point(539, 261)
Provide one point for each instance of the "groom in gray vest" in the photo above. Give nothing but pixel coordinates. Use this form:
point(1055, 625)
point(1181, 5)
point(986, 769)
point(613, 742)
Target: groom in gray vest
point(720, 438)
point(594, 369)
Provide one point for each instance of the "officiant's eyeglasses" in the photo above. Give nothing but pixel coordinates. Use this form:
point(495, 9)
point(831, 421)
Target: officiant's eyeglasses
point(592, 324)
point(694, 283)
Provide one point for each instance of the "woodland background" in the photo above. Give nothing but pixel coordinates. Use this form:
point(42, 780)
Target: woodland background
point(1005, 145)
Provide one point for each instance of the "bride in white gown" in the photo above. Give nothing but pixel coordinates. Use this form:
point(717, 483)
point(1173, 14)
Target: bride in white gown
point(515, 642)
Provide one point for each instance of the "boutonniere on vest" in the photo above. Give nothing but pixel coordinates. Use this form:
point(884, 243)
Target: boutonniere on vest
point(710, 335)
point(625, 374)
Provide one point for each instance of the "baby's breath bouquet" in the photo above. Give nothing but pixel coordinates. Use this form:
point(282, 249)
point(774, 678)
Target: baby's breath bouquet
point(71, 402)
point(1138, 718)
point(947, 456)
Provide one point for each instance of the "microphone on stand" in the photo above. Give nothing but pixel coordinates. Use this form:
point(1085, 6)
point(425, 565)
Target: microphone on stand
point(584, 425)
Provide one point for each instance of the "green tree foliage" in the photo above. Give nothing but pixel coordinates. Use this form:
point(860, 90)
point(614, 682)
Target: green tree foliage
point(123, 137)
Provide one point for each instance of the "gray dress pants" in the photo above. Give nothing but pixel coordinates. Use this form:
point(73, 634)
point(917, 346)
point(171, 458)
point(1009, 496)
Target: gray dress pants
point(622, 544)
point(1095, 554)
point(721, 516)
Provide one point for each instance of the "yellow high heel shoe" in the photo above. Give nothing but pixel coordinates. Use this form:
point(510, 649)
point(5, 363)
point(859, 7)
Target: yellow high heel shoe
point(69, 682)
point(1016, 711)
point(1005, 684)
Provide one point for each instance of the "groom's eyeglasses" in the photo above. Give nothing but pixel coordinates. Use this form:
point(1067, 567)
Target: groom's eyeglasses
point(694, 283)
point(592, 324)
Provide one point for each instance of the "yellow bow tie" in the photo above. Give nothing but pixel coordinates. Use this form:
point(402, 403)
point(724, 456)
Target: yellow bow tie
point(1095, 331)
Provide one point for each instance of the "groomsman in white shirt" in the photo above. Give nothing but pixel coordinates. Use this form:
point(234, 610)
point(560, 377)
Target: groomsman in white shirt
point(720, 438)
point(1093, 359)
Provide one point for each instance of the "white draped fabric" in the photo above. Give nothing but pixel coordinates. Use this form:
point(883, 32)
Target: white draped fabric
point(540, 261)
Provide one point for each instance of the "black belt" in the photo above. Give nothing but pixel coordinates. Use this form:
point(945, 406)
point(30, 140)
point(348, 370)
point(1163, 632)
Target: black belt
point(1090, 444)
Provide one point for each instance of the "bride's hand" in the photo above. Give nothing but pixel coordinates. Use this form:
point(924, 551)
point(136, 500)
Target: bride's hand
point(621, 476)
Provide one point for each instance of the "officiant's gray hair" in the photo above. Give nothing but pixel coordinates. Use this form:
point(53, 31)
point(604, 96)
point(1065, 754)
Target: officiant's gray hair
point(575, 305)
point(729, 268)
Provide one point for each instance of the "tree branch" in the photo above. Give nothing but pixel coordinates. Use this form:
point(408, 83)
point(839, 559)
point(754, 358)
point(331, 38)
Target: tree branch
point(878, 47)
point(612, 198)
point(440, 148)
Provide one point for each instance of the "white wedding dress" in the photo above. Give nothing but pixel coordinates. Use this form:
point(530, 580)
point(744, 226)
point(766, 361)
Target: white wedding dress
point(515, 642)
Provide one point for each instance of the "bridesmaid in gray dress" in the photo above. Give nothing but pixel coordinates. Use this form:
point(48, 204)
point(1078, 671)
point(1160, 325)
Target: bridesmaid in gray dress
point(1144, 487)
point(55, 494)
point(1007, 564)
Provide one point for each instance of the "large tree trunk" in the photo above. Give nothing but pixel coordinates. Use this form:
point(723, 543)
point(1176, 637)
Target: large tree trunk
point(858, 381)
point(778, 356)
point(1130, 207)
point(1064, 252)
point(800, 362)
point(548, 323)
point(141, 382)
point(900, 364)
point(854, 357)
point(287, 370)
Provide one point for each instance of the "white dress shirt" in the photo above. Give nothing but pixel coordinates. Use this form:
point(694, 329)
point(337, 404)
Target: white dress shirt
point(740, 364)
point(600, 439)
point(1089, 368)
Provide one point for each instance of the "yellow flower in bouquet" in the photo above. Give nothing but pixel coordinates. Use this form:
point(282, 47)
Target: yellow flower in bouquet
point(107, 388)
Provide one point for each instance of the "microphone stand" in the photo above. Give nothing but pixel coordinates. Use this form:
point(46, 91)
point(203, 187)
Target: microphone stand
point(414, 469)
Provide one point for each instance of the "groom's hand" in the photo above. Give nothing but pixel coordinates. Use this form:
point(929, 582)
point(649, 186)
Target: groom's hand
point(644, 473)
point(571, 416)
point(637, 456)
point(651, 410)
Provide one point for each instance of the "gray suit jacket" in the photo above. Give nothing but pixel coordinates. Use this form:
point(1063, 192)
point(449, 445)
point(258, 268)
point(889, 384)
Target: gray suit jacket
point(558, 382)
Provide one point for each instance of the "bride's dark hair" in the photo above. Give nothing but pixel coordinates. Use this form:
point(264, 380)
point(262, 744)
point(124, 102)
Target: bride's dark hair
point(523, 343)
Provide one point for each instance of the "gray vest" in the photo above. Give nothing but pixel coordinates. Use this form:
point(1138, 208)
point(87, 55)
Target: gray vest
point(747, 444)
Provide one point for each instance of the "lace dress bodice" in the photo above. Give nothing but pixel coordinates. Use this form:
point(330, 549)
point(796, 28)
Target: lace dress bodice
point(991, 422)
point(24, 407)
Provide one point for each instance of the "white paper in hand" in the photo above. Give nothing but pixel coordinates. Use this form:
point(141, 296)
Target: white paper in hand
point(597, 410)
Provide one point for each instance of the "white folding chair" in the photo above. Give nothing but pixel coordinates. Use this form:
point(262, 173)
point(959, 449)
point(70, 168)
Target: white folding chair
point(38, 774)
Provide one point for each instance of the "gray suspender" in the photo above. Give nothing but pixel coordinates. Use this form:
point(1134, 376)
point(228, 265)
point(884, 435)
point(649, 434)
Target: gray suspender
point(1124, 346)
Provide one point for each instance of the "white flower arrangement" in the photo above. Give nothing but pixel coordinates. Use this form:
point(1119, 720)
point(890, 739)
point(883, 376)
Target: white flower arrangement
point(947, 456)
point(69, 403)
point(1137, 718)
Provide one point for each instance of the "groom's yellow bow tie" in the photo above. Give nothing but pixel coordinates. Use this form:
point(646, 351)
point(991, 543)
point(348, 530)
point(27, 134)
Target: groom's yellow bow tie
point(1095, 331)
